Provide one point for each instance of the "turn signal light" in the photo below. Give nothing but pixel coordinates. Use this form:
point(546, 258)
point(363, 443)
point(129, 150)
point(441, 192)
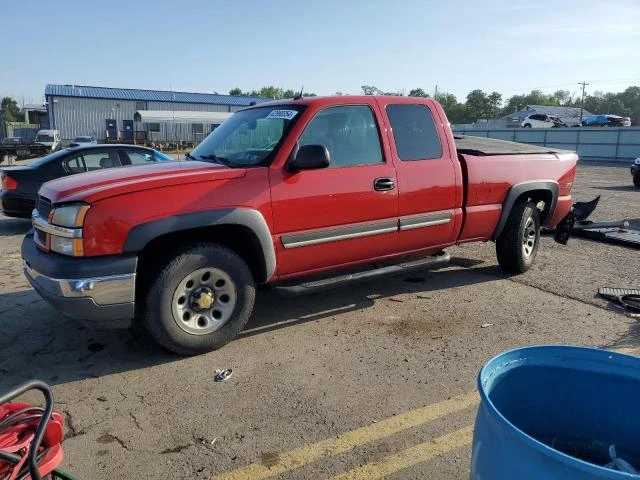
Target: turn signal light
point(8, 183)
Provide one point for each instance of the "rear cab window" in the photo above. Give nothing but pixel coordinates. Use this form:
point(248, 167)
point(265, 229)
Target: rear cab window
point(414, 131)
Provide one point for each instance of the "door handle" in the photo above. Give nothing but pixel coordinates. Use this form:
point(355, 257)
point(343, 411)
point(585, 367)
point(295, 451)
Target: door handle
point(384, 184)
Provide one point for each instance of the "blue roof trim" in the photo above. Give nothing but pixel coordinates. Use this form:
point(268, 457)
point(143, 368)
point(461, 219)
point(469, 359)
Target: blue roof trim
point(83, 91)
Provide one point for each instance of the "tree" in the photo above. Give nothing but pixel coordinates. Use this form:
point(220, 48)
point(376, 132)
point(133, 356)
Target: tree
point(494, 102)
point(11, 111)
point(235, 92)
point(289, 93)
point(418, 92)
point(477, 106)
point(271, 92)
point(371, 90)
point(562, 97)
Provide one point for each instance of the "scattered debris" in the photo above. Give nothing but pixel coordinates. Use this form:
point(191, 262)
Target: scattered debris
point(627, 298)
point(223, 375)
point(616, 235)
point(395, 300)
point(423, 297)
point(486, 325)
point(102, 399)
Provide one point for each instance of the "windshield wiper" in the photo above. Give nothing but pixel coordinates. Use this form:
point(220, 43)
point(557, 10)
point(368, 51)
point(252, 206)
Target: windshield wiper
point(189, 156)
point(217, 159)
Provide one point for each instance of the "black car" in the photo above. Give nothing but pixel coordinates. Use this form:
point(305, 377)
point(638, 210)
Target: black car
point(20, 185)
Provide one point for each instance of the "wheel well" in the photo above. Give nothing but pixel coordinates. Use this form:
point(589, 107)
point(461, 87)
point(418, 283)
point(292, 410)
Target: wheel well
point(238, 238)
point(543, 200)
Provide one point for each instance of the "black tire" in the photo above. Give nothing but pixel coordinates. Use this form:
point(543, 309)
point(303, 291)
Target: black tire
point(636, 181)
point(159, 299)
point(527, 125)
point(511, 248)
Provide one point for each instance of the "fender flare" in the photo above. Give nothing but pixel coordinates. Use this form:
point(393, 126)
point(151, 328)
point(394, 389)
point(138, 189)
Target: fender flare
point(519, 189)
point(140, 235)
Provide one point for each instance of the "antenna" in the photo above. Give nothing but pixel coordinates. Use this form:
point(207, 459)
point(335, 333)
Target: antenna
point(299, 96)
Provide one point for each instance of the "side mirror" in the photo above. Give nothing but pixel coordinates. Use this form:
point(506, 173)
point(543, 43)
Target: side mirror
point(309, 157)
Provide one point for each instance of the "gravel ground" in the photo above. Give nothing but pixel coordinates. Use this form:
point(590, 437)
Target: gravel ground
point(314, 368)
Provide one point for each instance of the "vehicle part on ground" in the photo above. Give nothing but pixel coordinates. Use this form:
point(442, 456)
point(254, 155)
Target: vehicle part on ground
point(636, 180)
point(537, 409)
point(628, 298)
point(517, 245)
point(618, 236)
point(621, 224)
point(199, 300)
point(582, 210)
point(223, 375)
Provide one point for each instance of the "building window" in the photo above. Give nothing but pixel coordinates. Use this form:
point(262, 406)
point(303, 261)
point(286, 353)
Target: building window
point(153, 127)
point(141, 105)
point(197, 128)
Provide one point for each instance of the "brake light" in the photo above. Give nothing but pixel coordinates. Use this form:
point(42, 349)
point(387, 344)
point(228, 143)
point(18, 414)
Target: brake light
point(8, 183)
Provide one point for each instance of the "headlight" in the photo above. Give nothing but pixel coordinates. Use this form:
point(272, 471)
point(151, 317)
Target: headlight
point(638, 161)
point(71, 216)
point(67, 246)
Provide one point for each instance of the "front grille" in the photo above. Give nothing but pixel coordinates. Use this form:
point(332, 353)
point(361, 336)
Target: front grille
point(44, 207)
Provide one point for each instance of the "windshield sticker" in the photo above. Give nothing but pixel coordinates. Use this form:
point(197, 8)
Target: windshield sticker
point(284, 114)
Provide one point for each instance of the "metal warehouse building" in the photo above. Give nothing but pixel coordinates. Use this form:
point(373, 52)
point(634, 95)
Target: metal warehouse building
point(123, 114)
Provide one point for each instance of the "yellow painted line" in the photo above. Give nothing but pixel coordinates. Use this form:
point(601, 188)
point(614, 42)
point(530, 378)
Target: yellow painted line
point(348, 441)
point(411, 456)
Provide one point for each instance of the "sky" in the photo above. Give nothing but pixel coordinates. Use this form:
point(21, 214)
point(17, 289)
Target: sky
point(329, 46)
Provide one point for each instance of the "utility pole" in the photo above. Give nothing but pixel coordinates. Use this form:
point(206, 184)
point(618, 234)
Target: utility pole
point(584, 84)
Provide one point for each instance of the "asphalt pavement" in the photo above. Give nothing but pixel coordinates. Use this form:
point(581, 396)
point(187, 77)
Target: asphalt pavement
point(377, 380)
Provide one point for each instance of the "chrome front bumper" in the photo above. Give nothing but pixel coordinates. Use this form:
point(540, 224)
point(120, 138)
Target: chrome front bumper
point(98, 298)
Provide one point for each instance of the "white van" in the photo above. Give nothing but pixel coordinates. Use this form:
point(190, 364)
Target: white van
point(49, 138)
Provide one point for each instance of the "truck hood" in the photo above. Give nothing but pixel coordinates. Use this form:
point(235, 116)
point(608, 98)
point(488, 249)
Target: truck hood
point(94, 186)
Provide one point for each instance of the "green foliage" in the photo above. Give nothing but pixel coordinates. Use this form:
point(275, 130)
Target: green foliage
point(11, 112)
point(371, 90)
point(235, 91)
point(418, 92)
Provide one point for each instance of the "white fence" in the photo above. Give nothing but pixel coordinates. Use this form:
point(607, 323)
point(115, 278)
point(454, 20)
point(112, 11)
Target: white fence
point(616, 144)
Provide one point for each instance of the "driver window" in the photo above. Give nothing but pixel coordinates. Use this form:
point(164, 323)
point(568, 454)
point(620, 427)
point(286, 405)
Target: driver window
point(350, 134)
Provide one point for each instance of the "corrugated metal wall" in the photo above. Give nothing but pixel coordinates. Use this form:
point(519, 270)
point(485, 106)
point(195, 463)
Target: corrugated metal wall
point(86, 116)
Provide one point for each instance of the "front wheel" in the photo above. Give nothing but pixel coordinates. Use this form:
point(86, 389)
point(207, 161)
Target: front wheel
point(636, 180)
point(527, 125)
point(201, 299)
point(517, 245)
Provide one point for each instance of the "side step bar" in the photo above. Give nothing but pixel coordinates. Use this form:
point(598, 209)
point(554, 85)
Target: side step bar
point(435, 261)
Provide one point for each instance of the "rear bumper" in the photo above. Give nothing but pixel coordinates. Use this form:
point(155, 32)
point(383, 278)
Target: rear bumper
point(106, 294)
point(15, 205)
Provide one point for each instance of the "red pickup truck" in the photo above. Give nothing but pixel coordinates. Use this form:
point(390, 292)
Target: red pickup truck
point(299, 194)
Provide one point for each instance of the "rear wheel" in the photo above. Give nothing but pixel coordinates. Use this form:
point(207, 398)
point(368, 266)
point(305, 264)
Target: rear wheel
point(636, 180)
point(527, 125)
point(201, 299)
point(517, 245)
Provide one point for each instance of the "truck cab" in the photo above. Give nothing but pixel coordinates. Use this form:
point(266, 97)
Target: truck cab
point(48, 138)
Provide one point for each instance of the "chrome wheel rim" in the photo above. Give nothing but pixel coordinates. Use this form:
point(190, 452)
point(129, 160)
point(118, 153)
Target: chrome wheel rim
point(204, 301)
point(529, 238)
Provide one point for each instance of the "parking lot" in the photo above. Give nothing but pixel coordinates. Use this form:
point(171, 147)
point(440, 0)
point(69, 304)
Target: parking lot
point(376, 380)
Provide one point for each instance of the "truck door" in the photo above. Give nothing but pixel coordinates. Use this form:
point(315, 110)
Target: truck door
point(341, 214)
point(127, 130)
point(430, 203)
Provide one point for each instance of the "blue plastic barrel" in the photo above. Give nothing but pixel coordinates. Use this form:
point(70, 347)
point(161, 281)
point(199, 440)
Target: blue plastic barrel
point(553, 412)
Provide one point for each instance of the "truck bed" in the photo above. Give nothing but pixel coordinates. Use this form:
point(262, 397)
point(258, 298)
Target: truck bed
point(481, 146)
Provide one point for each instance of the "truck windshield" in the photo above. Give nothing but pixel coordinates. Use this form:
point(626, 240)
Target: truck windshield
point(249, 137)
point(44, 138)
